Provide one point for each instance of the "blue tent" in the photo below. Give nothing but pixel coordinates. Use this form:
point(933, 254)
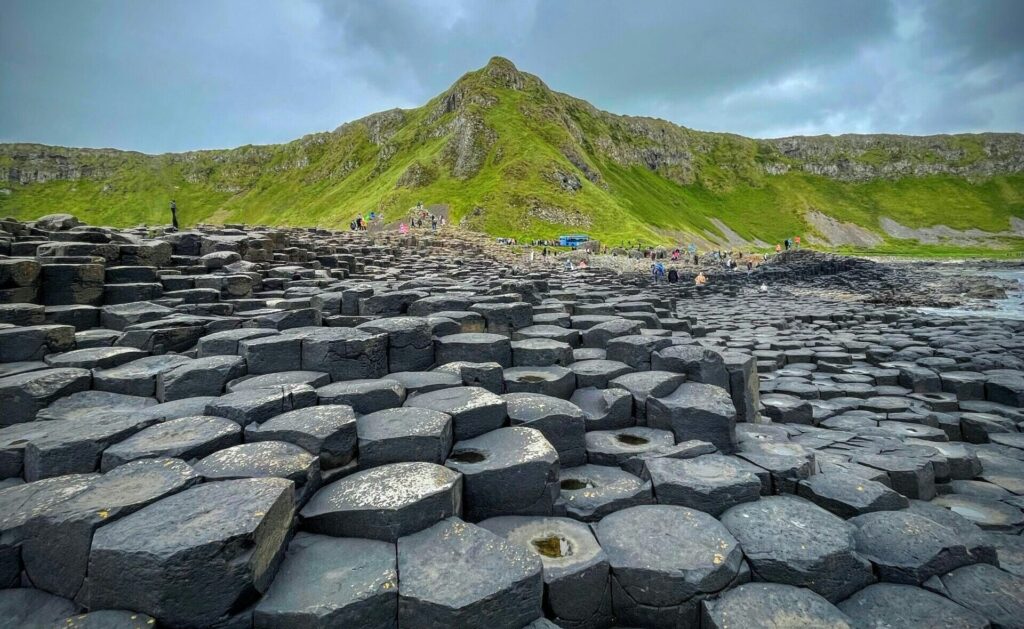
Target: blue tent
point(573, 240)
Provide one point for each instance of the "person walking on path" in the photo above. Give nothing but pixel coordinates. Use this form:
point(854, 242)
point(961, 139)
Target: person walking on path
point(174, 214)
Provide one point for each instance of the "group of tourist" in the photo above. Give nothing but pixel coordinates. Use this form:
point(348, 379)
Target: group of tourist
point(422, 218)
point(659, 274)
point(360, 224)
point(789, 243)
point(568, 265)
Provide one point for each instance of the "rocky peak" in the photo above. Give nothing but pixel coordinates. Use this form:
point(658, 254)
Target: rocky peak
point(504, 73)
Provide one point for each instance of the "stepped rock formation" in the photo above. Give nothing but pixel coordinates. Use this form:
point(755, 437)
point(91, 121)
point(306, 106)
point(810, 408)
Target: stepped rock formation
point(257, 428)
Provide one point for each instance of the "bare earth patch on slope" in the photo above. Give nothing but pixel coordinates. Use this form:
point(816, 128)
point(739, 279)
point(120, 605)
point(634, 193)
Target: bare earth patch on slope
point(732, 239)
point(835, 232)
point(948, 235)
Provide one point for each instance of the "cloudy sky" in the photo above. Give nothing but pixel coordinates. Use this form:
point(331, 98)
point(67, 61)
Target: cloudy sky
point(161, 75)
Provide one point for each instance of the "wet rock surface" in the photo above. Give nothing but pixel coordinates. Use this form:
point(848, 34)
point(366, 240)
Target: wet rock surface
point(252, 427)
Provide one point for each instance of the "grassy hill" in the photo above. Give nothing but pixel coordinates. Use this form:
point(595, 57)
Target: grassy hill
point(511, 157)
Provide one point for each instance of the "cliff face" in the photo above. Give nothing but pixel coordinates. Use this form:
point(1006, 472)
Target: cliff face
point(865, 157)
point(512, 156)
point(37, 163)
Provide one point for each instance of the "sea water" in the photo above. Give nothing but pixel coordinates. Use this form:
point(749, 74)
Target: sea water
point(1010, 308)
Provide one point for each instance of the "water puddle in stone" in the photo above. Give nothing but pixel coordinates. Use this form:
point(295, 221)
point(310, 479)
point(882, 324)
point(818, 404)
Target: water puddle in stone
point(554, 546)
point(632, 440)
point(971, 513)
point(576, 484)
point(468, 456)
point(531, 379)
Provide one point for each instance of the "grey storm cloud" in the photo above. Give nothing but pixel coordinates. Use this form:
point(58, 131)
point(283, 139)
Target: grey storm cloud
point(168, 76)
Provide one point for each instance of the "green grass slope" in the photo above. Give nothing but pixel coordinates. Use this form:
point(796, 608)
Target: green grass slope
point(512, 158)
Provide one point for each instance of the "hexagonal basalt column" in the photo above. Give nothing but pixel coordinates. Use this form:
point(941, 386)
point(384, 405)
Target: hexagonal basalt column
point(23, 395)
point(554, 381)
point(456, 574)
point(345, 353)
point(907, 606)
point(95, 357)
point(576, 584)
point(484, 375)
point(185, 438)
point(504, 318)
point(598, 373)
point(93, 405)
point(696, 411)
point(605, 409)
point(56, 551)
point(591, 492)
point(325, 431)
point(202, 376)
point(286, 379)
point(635, 350)
point(364, 396)
point(772, 605)
point(258, 405)
point(385, 502)
point(404, 434)
point(416, 382)
point(550, 332)
point(270, 354)
point(137, 377)
point(664, 561)
point(264, 459)
point(604, 329)
point(699, 364)
point(646, 384)
point(331, 582)
point(188, 559)
point(847, 496)
point(540, 353)
point(786, 463)
point(792, 541)
point(932, 549)
point(474, 411)
point(989, 591)
point(473, 347)
point(509, 471)
point(561, 423)
point(410, 344)
point(613, 447)
point(711, 483)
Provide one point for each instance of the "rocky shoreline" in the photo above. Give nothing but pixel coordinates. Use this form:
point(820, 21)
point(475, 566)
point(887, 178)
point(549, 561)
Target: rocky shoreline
point(255, 427)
